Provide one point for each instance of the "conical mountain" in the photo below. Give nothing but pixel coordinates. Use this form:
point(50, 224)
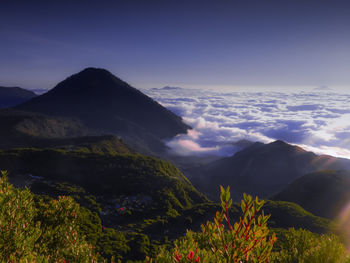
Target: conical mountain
point(108, 104)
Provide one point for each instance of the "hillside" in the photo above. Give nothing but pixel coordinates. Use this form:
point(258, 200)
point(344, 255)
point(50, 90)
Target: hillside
point(101, 174)
point(107, 144)
point(283, 215)
point(20, 129)
point(12, 96)
point(323, 193)
point(25, 129)
point(129, 193)
point(261, 169)
point(107, 104)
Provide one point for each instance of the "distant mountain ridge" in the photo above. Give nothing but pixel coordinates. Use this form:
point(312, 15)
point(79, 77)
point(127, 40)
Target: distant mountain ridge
point(106, 103)
point(12, 96)
point(168, 88)
point(262, 169)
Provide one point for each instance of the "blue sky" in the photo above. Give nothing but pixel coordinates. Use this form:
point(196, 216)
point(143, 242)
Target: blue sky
point(282, 43)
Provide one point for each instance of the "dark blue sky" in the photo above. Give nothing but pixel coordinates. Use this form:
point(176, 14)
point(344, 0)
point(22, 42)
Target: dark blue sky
point(155, 43)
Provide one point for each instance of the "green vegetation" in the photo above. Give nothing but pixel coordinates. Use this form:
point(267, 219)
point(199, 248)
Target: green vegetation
point(39, 232)
point(124, 198)
point(290, 215)
point(125, 174)
point(249, 240)
point(44, 229)
point(219, 241)
point(302, 246)
point(133, 206)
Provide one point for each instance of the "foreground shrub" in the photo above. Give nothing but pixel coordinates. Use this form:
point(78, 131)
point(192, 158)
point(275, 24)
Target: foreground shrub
point(43, 232)
point(220, 241)
point(302, 246)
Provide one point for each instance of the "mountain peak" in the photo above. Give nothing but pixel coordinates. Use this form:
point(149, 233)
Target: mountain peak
point(92, 79)
point(283, 145)
point(95, 69)
point(279, 142)
point(104, 102)
point(95, 72)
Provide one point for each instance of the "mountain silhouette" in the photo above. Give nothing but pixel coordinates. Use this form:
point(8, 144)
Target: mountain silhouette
point(262, 169)
point(108, 104)
point(12, 96)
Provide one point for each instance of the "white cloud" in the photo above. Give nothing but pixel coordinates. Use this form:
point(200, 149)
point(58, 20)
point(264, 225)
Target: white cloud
point(316, 120)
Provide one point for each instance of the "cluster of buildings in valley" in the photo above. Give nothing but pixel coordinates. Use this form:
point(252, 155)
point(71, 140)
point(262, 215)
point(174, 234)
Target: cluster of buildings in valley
point(126, 204)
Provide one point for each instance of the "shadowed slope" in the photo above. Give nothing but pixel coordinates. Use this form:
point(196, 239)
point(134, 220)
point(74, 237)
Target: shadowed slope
point(323, 193)
point(106, 103)
point(26, 129)
point(262, 169)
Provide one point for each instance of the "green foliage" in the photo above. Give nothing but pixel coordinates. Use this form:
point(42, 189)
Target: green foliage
point(60, 236)
point(92, 204)
point(141, 246)
point(288, 215)
point(47, 233)
point(247, 240)
point(302, 246)
point(18, 230)
point(172, 213)
point(125, 174)
point(112, 244)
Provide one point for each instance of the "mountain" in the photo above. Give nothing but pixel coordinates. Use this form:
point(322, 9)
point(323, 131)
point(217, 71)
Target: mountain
point(12, 96)
point(261, 169)
point(168, 88)
point(26, 129)
point(323, 193)
point(107, 104)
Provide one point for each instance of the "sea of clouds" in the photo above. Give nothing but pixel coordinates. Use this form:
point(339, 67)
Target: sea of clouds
point(317, 121)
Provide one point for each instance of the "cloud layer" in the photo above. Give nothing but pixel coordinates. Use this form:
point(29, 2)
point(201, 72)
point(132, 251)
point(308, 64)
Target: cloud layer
point(318, 121)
